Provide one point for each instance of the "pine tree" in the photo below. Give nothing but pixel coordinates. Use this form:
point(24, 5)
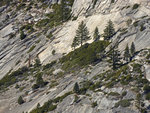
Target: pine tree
point(115, 57)
point(82, 34)
point(109, 31)
point(96, 35)
point(39, 81)
point(65, 10)
point(132, 50)
point(75, 43)
point(76, 88)
point(20, 100)
point(127, 54)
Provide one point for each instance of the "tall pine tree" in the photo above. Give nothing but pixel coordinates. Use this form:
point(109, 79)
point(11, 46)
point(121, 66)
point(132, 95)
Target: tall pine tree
point(109, 31)
point(127, 54)
point(96, 36)
point(82, 35)
point(114, 55)
point(132, 49)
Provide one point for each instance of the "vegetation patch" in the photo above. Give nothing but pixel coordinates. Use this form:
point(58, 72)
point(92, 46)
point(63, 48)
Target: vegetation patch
point(123, 103)
point(14, 77)
point(86, 54)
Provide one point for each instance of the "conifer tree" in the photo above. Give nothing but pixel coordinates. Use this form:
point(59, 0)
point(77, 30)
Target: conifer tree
point(96, 35)
point(109, 31)
point(39, 81)
point(115, 57)
point(132, 49)
point(20, 100)
point(127, 54)
point(76, 88)
point(82, 34)
point(74, 43)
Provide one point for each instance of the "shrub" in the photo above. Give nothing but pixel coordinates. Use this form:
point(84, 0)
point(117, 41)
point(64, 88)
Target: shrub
point(31, 49)
point(146, 88)
point(22, 35)
point(47, 66)
point(53, 52)
point(114, 94)
point(20, 100)
point(123, 103)
point(135, 6)
point(94, 104)
point(147, 96)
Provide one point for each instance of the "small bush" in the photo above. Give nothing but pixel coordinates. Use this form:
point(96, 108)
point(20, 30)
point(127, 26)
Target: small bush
point(94, 104)
point(53, 52)
point(22, 35)
point(31, 49)
point(114, 94)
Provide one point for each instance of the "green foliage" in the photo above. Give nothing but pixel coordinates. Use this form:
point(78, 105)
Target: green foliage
point(48, 106)
point(53, 52)
point(136, 23)
point(22, 35)
point(76, 88)
point(132, 50)
point(146, 88)
point(37, 62)
point(20, 6)
point(82, 35)
point(27, 27)
point(114, 94)
point(94, 104)
point(31, 49)
point(96, 35)
point(114, 55)
point(127, 54)
point(20, 100)
point(84, 55)
point(50, 35)
point(135, 6)
point(147, 96)
point(12, 78)
point(42, 23)
point(123, 103)
point(137, 67)
point(109, 31)
point(48, 66)
point(112, 1)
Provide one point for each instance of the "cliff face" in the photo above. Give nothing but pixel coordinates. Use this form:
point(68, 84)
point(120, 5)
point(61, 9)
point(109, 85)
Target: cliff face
point(94, 15)
point(131, 19)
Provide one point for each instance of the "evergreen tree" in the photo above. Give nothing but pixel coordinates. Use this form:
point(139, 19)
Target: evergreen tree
point(65, 10)
point(20, 100)
point(127, 54)
point(39, 81)
point(76, 88)
point(75, 43)
point(82, 34)
point(96, 34)
point(115, 57)
point(132, 50)
point(109, 31)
